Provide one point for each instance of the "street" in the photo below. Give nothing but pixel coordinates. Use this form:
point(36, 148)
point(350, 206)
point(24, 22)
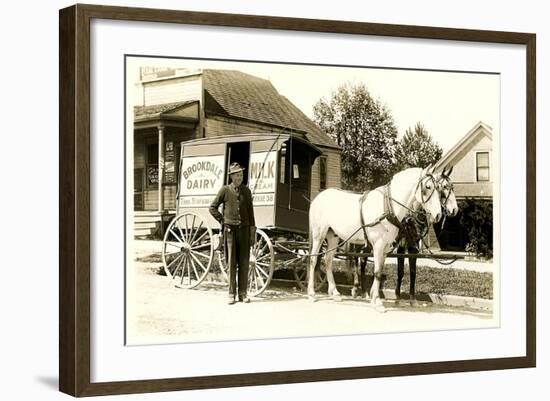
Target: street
point(160, 313)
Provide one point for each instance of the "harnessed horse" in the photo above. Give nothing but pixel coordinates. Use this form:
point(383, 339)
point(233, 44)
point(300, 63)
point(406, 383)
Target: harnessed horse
point(449, 207)
point(374, 218)
point(417, 227)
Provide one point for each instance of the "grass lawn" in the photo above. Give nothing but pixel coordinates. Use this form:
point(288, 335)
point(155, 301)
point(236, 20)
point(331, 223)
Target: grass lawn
point(429, 280)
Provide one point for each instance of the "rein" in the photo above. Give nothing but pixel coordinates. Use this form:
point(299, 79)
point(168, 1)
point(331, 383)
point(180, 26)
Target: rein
point(389, 200)
point(388, 214)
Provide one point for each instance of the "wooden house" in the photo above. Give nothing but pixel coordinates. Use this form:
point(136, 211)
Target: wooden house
point(179, 104)
point(472, 177)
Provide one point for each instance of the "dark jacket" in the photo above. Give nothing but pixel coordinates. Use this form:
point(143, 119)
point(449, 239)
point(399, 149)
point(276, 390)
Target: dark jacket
point(237, 210)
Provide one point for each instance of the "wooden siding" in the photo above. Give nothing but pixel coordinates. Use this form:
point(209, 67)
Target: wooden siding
point(465, 161)
point(150, 197)
point(334, 174)
point(172, 90)
point(473, 190)
point(221, 126)
point(464, 171)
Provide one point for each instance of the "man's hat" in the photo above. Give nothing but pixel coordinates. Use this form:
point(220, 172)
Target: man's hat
point(235, 168)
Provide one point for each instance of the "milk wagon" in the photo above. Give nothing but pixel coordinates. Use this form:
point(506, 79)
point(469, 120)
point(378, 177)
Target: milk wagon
point(278, 173)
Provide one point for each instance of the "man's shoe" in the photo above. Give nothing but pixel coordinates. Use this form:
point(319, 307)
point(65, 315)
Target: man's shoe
point(231, 301)
point(244, 299)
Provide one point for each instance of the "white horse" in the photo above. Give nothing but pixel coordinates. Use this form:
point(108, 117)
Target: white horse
point(446, 191)
point(337, 214)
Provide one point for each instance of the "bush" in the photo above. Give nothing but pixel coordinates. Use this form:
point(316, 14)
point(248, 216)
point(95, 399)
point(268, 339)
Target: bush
point(477, 218)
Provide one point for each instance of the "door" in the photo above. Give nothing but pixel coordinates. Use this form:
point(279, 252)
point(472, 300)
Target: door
point(238, 152)
point(139, 181)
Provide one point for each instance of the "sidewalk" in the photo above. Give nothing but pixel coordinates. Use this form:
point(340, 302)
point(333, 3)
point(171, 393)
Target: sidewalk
point(472, 265)
point(146, 247)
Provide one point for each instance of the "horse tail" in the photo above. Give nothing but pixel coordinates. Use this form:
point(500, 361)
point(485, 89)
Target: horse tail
point(310, 243)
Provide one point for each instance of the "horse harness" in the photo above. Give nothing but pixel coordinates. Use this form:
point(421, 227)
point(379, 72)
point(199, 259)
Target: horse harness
point(389, 213)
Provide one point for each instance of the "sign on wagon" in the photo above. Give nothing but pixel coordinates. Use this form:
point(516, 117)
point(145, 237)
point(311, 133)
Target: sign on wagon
point(200, 180)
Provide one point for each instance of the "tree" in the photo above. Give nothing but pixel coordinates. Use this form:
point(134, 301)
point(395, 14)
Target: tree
point(364, 128)
point(417, 149)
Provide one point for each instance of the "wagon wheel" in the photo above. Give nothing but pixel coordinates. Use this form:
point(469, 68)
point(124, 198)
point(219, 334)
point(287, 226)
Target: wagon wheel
point(301, 271)
point(187, 250)
point(262, 264)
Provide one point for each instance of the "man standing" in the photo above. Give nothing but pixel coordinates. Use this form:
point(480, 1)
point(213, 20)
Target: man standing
point(239, 229)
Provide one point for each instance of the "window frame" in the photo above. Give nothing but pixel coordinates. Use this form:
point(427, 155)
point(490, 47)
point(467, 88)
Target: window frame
point(323, 162)
point(477, 167)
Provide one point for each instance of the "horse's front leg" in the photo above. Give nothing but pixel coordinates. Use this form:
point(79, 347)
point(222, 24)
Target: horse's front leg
point(412, 268)
point(379, 259)
point(400, 271)
point(363, 263)
point(353, 263)
point(332, 243)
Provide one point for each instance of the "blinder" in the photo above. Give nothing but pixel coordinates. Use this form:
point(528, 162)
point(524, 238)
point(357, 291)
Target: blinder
point(445, 188)
point(423, 190)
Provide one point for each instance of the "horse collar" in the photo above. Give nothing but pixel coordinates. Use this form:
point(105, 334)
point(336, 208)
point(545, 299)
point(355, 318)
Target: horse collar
point(388, 208)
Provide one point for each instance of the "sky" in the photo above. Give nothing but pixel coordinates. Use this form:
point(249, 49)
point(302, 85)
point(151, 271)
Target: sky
point(448, 104)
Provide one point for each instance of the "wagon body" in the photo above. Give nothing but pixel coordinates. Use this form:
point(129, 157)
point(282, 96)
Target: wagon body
point(278, 173)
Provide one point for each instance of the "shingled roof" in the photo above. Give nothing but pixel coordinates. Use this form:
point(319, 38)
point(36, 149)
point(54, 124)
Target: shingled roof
point(145, 112)
point(245, 96)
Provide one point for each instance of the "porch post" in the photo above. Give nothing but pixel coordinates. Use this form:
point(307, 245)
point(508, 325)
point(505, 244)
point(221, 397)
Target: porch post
point(161, 170)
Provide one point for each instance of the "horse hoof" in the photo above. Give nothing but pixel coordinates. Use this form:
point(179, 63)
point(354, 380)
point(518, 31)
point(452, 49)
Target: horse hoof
point(337, 298)
point(312, 298)
point(354, 293)
point(380, 308)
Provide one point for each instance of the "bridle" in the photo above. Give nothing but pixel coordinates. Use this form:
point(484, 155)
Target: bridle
point(422, 183)
point(424, 198)
point(445, 188)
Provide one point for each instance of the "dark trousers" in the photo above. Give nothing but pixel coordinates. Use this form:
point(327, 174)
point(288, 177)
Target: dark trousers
point(238, 257)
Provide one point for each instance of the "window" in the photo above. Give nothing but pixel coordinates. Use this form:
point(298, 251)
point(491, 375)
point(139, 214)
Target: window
point(152, 166)
point(482, 166)
point(322, 172)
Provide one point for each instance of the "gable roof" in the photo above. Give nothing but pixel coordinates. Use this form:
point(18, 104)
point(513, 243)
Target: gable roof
point(251, 98)
point(479, 129)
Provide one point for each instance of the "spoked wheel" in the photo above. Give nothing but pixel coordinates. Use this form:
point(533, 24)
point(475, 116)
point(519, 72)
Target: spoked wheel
point(262, 264)
point(187, 250)
point(301, 271)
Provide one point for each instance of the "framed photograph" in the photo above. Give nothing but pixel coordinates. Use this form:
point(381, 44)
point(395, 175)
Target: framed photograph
point(251, 200)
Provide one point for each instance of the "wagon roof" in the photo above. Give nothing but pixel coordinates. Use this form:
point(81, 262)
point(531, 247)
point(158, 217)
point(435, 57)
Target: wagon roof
point(251, 137)
point(245, 96)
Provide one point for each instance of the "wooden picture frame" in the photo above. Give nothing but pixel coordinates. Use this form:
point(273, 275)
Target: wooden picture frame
point(75, 199)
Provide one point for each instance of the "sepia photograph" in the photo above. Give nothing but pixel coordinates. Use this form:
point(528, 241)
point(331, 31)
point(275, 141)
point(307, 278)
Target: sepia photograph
point(273, 200)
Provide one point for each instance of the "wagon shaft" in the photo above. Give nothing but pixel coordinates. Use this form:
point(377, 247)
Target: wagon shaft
point(403, 255)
